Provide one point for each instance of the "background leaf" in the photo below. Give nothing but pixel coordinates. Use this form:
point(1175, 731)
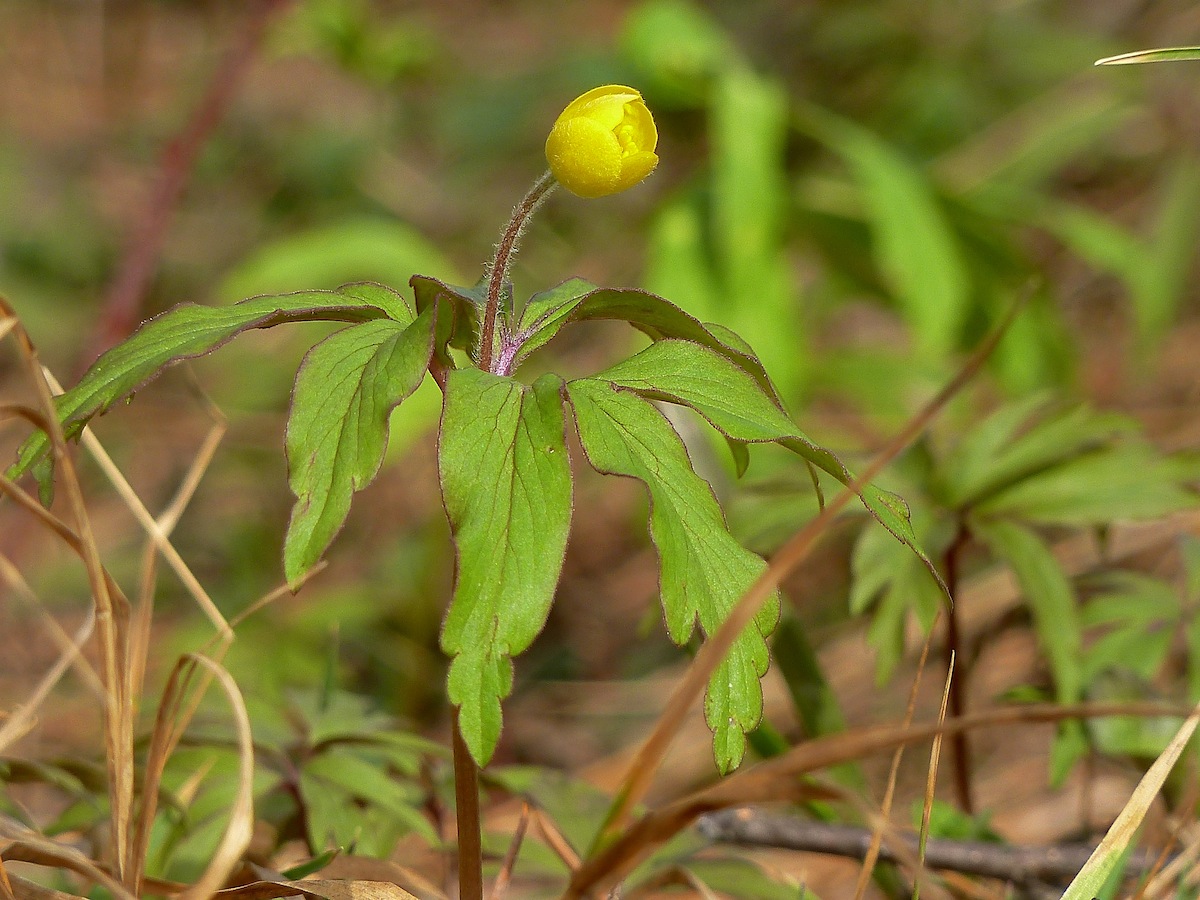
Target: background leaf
point(374, 249)
point(1051, 598)
point(915, 247)
point(1129, 481)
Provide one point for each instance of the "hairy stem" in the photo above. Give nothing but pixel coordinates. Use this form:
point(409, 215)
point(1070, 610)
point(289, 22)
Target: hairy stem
point(499, 266)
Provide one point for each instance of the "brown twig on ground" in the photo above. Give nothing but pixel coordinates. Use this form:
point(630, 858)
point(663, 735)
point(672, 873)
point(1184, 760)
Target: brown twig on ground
point(1018, 865)
point(123, 300)
point(771, 780)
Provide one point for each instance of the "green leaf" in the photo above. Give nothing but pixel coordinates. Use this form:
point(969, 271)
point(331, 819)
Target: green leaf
point(1131, 598)
point(506, 483)
point(459, 330)
point(337, 428)
point(734, 403)
point(679, 261)
point(187, 331)
point(814, 700)
point(1129, 481)
point(897, 582)
point(703, 569)
point(915, 246)
point(1160, 285)
point(1051, 599)
point(1050, 596)
point(365, 776)
point(546, 313)
point(995, 455)
point(676, 48)
point(1154, 270)
point(1053, 129)
point(651, 314)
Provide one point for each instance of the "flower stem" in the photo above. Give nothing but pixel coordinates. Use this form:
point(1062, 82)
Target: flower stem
point(499, 266)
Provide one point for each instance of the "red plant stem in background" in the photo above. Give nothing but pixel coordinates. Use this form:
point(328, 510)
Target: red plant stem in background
point(122, 307)
point(961, 749)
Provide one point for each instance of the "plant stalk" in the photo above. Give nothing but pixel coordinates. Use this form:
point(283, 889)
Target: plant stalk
point(466, 805)
point(497, 271)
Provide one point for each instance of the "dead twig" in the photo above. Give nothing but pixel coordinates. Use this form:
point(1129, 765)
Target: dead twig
point(1019, 865)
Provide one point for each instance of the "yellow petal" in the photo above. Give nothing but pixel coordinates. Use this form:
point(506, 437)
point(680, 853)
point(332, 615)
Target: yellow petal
point(603, 142)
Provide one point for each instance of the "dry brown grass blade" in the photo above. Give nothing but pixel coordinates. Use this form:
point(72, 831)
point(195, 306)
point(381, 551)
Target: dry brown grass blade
point(112, 612)
point(21, 720)
point(348, 867)
point(238, 832)
point(935, 753)
point(163, 740)
point(889, 794)
point(189, 701)
point(770, 781)
point(6, 888)
point(556, 840)
point(18, 843)
point(180, 701)
point(284, 590)
point(316, 889)
point(47, 519)
point(139, 637)
point(504, 876)
point(911, 861)
point(152, 527)
point(22, 889)
point(650, 756)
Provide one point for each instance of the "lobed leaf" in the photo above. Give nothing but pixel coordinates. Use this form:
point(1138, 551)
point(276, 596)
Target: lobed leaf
point(546, 312)
point(506, 484)
point(189, 330)
point(337, 429)
point(692, 375)
point(703, 569)
point(651, 314)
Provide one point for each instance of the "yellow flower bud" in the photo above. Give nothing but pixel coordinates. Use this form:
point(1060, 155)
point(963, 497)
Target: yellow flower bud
point(603, 142)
